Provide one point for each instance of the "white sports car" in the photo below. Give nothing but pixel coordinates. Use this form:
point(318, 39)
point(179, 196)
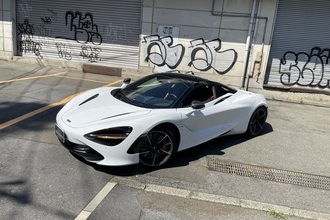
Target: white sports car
point(151, 119)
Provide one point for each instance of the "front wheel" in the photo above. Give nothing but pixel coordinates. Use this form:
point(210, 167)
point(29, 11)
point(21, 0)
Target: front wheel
point(257, 121)
point(157, 148)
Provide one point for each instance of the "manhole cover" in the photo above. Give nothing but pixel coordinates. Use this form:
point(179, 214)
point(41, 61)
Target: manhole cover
point(266, 173)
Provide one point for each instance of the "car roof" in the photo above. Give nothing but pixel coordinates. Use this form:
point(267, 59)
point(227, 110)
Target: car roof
point(189, 78)
point(183, 76)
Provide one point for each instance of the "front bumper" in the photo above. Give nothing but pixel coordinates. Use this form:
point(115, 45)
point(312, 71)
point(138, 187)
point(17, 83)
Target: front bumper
point(93, 152)
point(84, 151)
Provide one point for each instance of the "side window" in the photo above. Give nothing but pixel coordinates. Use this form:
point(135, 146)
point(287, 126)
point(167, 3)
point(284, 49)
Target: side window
point(202, 93)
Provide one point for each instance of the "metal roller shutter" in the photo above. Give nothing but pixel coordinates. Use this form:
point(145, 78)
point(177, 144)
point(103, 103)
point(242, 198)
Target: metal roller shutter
point(300, 48)
point(102, 31)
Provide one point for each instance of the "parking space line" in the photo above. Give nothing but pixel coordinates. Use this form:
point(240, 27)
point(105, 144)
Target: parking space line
point(113, 83)
point(84, 214)
point(88, 80)
point(45, 108)
point(35, 112)
point(32, 77)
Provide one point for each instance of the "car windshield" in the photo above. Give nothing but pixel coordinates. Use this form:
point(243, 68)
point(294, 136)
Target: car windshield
point(156, 92)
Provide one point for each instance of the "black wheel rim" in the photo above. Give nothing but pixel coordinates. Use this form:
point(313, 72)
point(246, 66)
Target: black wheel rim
point(156, 148)
point(257, 121)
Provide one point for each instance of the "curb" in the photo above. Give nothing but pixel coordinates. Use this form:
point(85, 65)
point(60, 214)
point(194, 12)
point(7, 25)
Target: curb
point(244, 203)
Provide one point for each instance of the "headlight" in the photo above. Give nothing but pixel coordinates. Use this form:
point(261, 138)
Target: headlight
point(110, 136)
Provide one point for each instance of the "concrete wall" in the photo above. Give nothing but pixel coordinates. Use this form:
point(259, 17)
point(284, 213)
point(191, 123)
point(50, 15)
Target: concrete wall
point(6, 28)
point(206, 37)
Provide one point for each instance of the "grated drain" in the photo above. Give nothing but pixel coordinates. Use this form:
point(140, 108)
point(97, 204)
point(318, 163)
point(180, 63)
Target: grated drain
point(265, 173)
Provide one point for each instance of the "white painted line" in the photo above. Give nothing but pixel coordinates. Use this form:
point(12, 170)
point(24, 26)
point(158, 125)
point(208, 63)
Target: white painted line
point(167, 190)
point(83, 215)
point(215, 198)
point(283, 209)
point(96, 201)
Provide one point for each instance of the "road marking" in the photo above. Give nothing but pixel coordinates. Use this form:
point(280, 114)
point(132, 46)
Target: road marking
point(84, 214)
point(88, 80)
point(113, 83)
point(45, 108)
point(226, 200)
point(35, 112)
point(32, 77)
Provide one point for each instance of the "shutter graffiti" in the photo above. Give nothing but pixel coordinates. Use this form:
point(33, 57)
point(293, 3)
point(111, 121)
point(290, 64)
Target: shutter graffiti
point(90, 53)
point(306, 69)
point(80, 31)
point(26, 44)
point(63, 51)
point(83, 27)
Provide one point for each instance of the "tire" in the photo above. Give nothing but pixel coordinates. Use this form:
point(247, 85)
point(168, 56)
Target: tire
point(257, 122)
point(157, 148)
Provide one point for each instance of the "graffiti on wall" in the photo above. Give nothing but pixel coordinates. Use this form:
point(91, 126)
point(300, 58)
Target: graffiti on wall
point(83, 28)
point(204, 55)
point(25, 29)
point(90, 53)
point(49, 19)
point(63, 51)
point(44, 31)
point(26, 44)
point(161, 51)
point(81, 39)
point(306, 69)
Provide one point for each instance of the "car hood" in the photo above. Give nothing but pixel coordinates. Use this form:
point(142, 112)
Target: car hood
point(97, 106)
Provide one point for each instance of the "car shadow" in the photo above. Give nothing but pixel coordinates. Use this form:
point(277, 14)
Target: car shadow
point(183, 158)
point(213, 147)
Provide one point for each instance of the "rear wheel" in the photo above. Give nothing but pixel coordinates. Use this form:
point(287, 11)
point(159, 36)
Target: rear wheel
point(257, 121)
point(157, 147)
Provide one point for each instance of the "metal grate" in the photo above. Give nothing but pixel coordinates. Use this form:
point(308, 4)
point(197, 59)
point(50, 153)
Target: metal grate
point(265, 173)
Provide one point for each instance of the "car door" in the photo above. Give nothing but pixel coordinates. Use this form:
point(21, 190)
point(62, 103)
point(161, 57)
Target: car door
point(214, 119)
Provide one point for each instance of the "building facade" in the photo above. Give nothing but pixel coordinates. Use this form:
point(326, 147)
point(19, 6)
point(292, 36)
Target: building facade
point(272, 46)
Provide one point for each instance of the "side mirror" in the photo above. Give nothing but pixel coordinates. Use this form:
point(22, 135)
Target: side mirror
point(126, 81)
point(197, 105)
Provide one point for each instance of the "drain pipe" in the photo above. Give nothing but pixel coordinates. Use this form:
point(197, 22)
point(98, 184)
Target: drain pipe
point(249, 41)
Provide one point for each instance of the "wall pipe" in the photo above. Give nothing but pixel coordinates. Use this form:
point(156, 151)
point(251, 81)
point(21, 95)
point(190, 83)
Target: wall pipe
point(232, 14)
point(248, 44)
point(261, 59)
point(253, 16)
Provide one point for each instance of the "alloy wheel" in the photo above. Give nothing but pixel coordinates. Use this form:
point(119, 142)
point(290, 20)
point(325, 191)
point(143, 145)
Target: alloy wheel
point(257, 121)
point(156, 148)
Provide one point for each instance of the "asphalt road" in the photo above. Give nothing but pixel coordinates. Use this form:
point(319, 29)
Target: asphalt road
point(39, 179)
